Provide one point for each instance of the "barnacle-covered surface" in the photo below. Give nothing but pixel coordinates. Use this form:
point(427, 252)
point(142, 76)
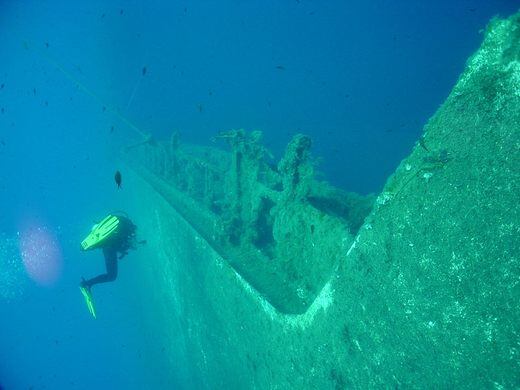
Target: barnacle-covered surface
point(279, 228)
point(424, 294)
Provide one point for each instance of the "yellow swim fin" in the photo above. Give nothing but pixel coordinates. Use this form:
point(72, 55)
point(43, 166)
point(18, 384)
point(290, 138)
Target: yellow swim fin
point(100, 232)
point(88, 300)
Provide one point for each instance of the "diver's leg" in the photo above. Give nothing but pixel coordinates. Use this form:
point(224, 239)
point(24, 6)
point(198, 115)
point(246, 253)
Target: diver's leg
point(111, 266)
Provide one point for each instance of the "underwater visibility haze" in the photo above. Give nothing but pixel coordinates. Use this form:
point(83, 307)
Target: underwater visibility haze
point(259, 194)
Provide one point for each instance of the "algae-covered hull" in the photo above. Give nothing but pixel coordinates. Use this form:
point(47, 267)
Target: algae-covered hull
point(267, 278)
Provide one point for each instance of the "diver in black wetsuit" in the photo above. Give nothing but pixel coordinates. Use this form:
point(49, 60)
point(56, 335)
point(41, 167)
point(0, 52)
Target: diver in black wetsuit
point(115, 247)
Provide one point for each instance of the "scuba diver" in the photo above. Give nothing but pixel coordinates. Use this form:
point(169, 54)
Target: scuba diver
point(116, 235)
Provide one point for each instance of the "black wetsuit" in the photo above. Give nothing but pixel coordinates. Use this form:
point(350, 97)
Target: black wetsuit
point(118, 244)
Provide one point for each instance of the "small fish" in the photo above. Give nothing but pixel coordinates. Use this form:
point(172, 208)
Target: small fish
point(121, 11)
point(112, 129)
point(117, 178)
point(280, 67)
point(200, 107)
point(46, 45)
point(2, 86)
point(144, 70)
point(2, 110)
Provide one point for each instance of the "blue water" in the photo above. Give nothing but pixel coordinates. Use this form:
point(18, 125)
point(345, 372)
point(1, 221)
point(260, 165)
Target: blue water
point(361, 78)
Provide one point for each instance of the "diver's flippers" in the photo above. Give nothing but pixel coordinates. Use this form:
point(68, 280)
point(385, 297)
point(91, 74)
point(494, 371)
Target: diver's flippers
point(88, 300)
point(101, 232)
